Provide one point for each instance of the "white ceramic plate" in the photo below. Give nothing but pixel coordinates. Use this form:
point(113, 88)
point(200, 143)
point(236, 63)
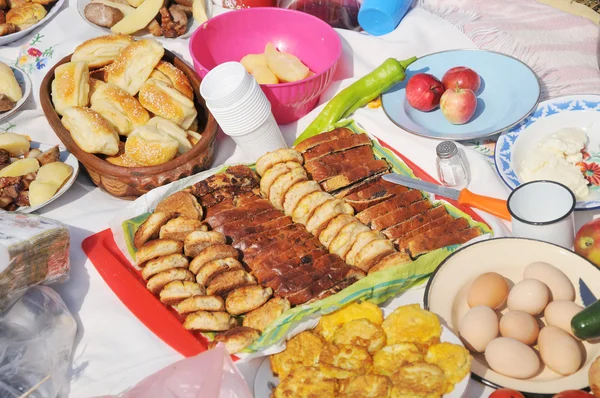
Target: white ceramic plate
point(265, 381)
point(65, 157)
point(25, 84)
point(447, 288)
point(142, 34)
point(582, 111)
point(4, 40)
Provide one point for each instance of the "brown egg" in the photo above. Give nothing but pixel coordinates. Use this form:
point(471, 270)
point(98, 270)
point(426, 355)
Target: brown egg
point(520, 326)
point(489, 289)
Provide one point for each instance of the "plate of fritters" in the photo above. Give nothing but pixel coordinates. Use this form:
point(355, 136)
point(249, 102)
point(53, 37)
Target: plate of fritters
point(356, 352)
point(18, 18)
point(15, 88)
point(170, 19)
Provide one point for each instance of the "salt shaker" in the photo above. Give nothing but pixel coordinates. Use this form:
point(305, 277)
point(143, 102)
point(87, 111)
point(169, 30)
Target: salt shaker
point(451, 167)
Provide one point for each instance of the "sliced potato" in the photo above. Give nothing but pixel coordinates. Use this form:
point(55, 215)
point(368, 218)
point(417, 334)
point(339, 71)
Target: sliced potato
point(287, 67)
point(41, 192)
point(139, 18)
point(263, 75)
point(56, 173)
point(20, 168)
point(199, 11)
point(15, 144)
point(251, 61)
point(135, 3)
point(34, 153)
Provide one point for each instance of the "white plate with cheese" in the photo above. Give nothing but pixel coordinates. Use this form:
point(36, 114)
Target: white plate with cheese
point(25, 84)
point(192, 25)
point(560, 141)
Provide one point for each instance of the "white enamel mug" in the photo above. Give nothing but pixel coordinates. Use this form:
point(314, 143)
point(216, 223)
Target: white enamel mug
point(543, 210)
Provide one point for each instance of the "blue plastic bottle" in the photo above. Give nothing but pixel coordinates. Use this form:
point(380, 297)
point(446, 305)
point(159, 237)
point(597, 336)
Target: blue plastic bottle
point(379, 17)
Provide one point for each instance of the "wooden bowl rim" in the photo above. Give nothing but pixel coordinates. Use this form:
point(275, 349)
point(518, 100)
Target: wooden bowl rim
point(91, 160)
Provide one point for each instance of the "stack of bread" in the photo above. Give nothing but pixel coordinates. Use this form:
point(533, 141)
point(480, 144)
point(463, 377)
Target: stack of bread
point(10, 91)
point(118, 98)
point(16, 15)
point(196, 272)
point(159, 17)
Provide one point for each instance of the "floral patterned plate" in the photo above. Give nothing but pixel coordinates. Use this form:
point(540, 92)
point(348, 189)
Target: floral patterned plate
point(25, 84)
point(581, 111)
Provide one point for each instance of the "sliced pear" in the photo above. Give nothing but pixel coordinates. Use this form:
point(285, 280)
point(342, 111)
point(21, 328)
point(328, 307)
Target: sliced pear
point(263, 75)
point(139, 18)
point(251, 61)
point(199, 11)
point(287, 67)
point(15, 144)
point(41, 192)
point(56, 173)
point(20, 168)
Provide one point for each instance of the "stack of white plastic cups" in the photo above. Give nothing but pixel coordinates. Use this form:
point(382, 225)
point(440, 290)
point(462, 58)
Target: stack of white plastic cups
point(242, 110)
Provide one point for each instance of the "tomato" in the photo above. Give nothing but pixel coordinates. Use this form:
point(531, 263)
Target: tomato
point(506, 393)
point(573, 394)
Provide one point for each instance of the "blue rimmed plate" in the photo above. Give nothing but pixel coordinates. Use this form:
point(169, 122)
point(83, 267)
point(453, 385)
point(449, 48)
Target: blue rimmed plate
point(509, 92)
point(581, 111)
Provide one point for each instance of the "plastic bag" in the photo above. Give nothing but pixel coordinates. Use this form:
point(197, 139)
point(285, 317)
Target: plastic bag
point(38, 333)
point(211, 374)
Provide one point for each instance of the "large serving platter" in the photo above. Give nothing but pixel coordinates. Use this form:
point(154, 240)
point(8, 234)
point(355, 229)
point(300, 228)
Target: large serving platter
point(112, 255)
point(509, 92)
point(581, 111)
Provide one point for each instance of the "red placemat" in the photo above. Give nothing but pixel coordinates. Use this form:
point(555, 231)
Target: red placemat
point(129, 286)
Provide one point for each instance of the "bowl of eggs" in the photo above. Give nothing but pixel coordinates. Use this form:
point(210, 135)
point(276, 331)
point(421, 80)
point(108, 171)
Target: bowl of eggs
point(511, 301)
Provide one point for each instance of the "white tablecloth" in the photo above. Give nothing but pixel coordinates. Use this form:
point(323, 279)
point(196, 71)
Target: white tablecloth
point(113, 349)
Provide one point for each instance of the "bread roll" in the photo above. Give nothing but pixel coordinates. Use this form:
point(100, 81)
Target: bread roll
point(163, 100)
point(148, 147)
point(90, 131)
point(8, 83)
point(176, 78)
point(94, 85)
point(71, 86)
point(101, 51)
point(170, 128)
point(26, 15)
point(134, 65)
point(119, 108)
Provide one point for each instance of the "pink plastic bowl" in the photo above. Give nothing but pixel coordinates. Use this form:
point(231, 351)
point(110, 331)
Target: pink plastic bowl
point(231, 36)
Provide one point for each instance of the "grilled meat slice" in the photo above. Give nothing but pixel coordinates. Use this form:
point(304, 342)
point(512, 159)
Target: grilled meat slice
point(414, 222)
point(401, 214)
point(433, 240)
point(329, 147)
point(332, 135)
point(366, 216)
point(355, 175)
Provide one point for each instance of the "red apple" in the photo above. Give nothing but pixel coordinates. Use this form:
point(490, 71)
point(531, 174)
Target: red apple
point(587, 241)
point(423, 92)
point(573, 394)
point(458, 105)
point(461, 77)
point(506, 393)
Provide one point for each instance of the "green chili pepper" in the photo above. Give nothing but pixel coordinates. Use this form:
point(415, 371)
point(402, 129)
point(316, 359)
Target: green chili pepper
point(357, 95)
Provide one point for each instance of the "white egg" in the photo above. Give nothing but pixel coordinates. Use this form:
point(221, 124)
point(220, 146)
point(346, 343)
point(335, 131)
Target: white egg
point(559, 284)
point(529, 295)
point(559, 350)
point(560, 313)
point(512, 358)
point(520, 326)
point(478, 327)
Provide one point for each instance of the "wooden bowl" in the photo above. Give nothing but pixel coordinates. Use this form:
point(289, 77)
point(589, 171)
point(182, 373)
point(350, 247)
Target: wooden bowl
point(131, 182)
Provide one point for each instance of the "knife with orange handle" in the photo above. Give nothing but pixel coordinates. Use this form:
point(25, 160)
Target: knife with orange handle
point(493, 206)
